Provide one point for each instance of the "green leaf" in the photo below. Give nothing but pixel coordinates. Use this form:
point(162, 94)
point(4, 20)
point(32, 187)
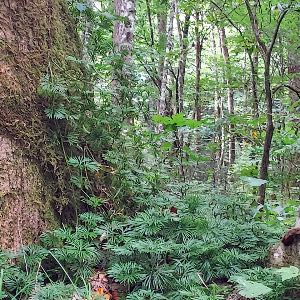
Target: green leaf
point(193, 123)
point(179, 119)
point(81, 163)
point(287, 273)
point(158, 119)
point(108, 16)
point(166, 146)
point(251, 289)
point(253, 181)
point(58, 113)
point(94, 201)
point(128, 272)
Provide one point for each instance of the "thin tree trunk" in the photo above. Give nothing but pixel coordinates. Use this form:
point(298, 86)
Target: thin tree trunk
point(150, 23)
point(123, 35)
point(198, 51)
point(254, 76)
point(219, 114)
point(85, 35)
point(263, 172)
point(230, 100)
point(197, 111)
point(179, 101)
point(294, 68)
point(183, 35)
point(162, 41)
point(162, 103)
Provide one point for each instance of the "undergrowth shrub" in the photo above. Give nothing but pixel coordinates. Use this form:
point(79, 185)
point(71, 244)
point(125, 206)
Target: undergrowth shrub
point(173, 247)
point(174, 244)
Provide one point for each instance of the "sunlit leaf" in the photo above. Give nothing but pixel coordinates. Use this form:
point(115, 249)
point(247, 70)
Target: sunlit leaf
point(288, 272)
point(252, 181)
point(251, 289)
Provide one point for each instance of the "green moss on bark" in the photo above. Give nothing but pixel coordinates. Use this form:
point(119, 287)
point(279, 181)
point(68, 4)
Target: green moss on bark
point(36, 38)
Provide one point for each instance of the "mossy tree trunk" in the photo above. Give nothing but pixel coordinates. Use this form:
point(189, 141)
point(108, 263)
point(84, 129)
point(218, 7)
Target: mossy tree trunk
point(35, 38)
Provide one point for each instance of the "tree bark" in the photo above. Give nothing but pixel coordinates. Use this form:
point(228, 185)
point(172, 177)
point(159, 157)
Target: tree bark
point(150, 23)
point(265, 161)
point(86, 32)
point(35, 36)
point(124, 30)
point(254, 76)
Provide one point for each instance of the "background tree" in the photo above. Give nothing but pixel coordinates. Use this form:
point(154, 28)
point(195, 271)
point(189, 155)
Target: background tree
point(266, 53)
point(123, 45)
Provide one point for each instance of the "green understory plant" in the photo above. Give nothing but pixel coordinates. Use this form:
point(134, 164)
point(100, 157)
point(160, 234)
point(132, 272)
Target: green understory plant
point(268, 283)
point(177, 246)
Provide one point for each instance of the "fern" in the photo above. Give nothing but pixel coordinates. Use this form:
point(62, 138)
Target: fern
point(52, 88)
point(128, 273)
point(91, 220)
point(145, 295)
point(149, 222)
point(220, 242)
point(82, 163)
point(57, 113)
point(54, 291)
point(159, 277)
point(155, 252)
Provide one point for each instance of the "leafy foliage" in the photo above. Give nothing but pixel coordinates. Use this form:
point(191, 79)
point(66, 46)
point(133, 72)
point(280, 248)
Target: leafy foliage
point(156, 252)
point(269, 283)
point(212, 237)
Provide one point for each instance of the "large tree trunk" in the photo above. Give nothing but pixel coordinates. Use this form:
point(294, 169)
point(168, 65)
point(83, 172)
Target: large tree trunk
point(124, 30)
point(35, 36)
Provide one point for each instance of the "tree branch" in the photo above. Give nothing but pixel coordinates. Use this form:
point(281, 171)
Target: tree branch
point(227, 17)
point(295, 90)
point(255, 29)
point(150, 22)
point(276, 31)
